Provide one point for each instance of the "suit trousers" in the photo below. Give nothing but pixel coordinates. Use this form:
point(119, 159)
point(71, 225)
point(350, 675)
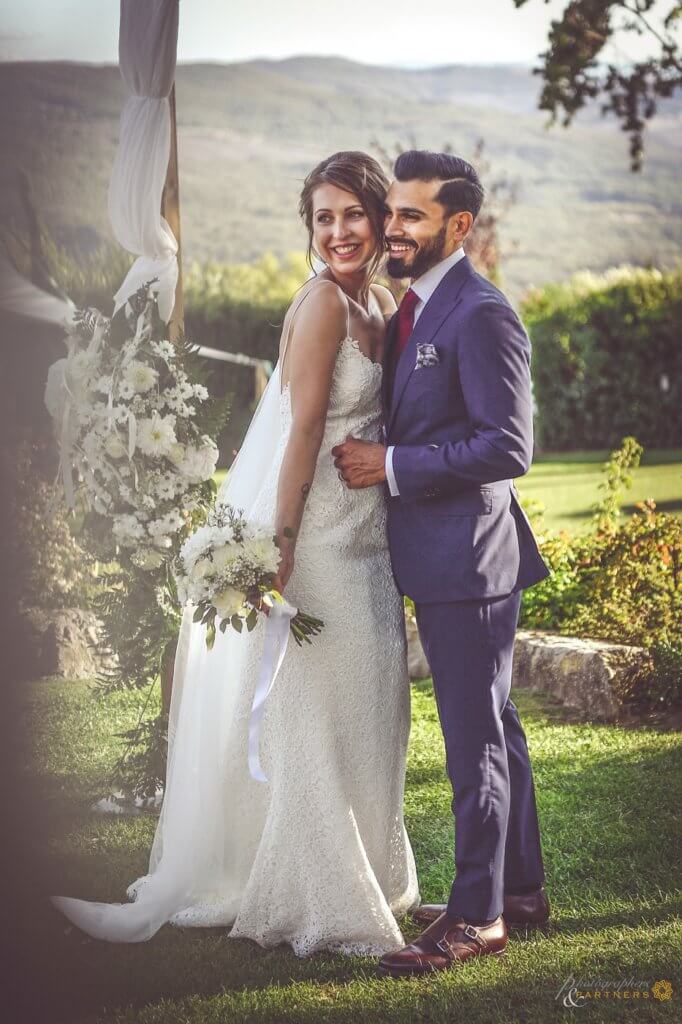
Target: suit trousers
point(469, 646)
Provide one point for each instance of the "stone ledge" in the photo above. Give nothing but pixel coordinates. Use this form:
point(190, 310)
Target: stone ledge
point(581, 674)
point(60, 642)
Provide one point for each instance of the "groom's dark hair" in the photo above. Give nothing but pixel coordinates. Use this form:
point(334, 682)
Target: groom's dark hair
point(461, 188)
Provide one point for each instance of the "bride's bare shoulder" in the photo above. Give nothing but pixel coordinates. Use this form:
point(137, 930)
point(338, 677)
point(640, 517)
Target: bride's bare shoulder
point(384, 297)
point(319, 298)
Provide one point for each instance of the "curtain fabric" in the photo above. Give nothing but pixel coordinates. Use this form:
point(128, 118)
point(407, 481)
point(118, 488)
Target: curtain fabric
point(147, 56)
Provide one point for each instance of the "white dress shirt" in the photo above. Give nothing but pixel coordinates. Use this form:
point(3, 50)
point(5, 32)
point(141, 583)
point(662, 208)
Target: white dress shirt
point(423, 287)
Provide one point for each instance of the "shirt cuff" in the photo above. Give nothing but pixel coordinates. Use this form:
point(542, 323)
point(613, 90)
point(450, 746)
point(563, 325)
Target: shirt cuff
point(390, 475)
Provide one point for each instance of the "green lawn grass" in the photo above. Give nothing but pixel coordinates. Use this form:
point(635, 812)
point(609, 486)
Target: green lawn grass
point(610, 804)
point(567, 484)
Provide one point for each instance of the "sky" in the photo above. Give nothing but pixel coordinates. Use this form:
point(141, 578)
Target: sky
point(403, 32)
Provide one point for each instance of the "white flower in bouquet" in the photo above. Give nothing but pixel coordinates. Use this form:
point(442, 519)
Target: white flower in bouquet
point(165, 486)
point(199, 463)
point(176, 453)
point(140, 376)
point(162, 542)
point(127, 530)
point(147, 558)
point(125, 390)
point(169, 523)
point(156, 435)
point(165, 349)
point(119, 413)
point(114, 446)
point(202, 568)
point(228, 602)
point(99, 410)
point(103, 385)
point(226, 555)
point(263, 551)
point(227, 569)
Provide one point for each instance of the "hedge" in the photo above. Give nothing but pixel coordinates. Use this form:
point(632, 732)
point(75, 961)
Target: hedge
point(607, 359)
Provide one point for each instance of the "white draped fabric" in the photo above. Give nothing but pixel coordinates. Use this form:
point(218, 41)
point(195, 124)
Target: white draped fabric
point(22, 298)
point(147, 56)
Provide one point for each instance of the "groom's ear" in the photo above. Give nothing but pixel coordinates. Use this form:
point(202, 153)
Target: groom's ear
point(459, 226)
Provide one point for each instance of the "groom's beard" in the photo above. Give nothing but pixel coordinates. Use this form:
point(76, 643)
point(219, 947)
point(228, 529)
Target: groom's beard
point(428, 254)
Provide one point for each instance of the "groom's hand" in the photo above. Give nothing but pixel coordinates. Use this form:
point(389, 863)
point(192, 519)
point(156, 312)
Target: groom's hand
point(360, 463)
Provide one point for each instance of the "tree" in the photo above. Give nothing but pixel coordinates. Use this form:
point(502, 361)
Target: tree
point(573, 73)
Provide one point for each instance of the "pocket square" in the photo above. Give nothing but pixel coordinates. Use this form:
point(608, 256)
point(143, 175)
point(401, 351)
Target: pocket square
point(427, 355)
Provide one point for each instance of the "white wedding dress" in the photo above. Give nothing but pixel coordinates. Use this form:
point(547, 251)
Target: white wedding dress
point(317, 857)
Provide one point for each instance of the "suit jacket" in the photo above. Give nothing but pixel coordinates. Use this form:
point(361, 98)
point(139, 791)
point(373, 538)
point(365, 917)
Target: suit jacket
point(462, 425)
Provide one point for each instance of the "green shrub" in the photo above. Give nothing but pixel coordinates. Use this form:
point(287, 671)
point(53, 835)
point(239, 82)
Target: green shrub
point(607, 359)
point(621, 581)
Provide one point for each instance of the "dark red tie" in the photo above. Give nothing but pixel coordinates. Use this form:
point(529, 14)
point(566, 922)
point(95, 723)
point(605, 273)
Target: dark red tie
point(405, 321)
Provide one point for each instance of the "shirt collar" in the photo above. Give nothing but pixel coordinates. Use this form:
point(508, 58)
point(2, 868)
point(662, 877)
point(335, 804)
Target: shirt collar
point(425, 286)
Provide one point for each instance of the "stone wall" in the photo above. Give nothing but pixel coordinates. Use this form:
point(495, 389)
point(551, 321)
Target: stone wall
point(581, 674)
point(58, 642)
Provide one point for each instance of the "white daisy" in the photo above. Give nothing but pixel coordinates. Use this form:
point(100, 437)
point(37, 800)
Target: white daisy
point(140, 376)
point(156, 436)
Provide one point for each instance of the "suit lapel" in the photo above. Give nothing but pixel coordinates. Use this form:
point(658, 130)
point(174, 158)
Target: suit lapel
point(442, 302)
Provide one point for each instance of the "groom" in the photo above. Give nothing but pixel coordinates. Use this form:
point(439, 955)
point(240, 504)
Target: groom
point(458, 429)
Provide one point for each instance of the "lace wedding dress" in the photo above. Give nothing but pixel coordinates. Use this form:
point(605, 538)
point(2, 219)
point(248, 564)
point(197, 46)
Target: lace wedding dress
point(318, 857)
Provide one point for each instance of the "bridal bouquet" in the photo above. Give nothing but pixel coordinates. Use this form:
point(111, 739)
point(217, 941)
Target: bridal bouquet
point(131, 428)
point(227, 569)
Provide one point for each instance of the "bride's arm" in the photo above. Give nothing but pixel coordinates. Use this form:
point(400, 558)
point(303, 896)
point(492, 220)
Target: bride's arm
point(320, 324)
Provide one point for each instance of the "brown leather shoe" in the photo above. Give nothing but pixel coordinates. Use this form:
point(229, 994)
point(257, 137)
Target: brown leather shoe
point(531, 910)
point(446, 942)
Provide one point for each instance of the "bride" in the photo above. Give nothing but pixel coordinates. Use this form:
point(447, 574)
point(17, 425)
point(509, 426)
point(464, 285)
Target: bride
point(318, 856)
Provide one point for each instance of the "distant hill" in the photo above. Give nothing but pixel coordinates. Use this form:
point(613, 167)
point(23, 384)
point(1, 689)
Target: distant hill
point(249, 132)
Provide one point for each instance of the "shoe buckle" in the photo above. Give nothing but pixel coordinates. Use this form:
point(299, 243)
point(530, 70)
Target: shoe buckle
point(473, 934)
point(444, 946)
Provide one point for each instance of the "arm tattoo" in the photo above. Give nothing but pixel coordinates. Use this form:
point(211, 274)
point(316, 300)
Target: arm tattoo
point(305, 491)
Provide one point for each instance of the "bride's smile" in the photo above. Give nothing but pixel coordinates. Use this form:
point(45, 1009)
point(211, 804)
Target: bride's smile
point(343, 235)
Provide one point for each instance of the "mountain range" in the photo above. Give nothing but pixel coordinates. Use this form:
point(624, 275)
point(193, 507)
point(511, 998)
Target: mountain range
point(249, 132)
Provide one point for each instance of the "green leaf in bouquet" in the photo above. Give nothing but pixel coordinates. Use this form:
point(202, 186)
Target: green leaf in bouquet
point(210, 637)
point(237, 623)
point(251, 619)
point(198, 613)
point(209, 617)
point(224, 623)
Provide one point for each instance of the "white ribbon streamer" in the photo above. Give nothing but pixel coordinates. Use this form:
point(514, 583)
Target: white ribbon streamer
point(274, 648)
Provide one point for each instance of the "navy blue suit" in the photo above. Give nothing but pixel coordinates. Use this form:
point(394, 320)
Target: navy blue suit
point(463, 549)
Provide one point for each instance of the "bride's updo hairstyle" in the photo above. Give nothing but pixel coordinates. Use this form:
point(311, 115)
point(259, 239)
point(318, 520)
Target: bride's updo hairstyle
point(353, 172)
